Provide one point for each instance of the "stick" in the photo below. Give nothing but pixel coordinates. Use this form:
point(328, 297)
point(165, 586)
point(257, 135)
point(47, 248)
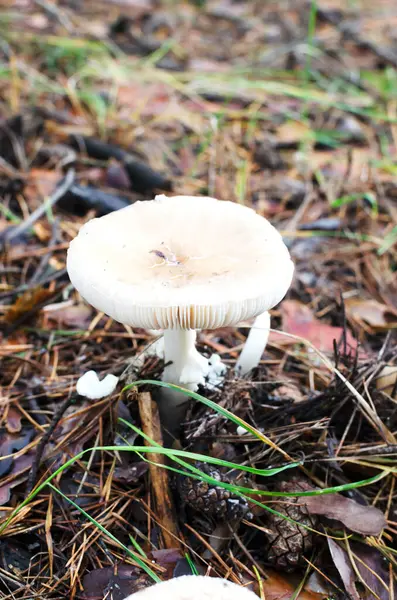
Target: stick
point(44, 441)
point(159, 476)
point(40, 211)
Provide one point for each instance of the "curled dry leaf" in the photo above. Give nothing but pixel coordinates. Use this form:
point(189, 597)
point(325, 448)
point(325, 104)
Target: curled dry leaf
point(16, 475)
point(368, 562)
point(13, 420)
point(28, 303)
point(387, 380)
point(68, 314)
point(279, 586)
point(377, 315)
point(367, 520)
point(116, 582)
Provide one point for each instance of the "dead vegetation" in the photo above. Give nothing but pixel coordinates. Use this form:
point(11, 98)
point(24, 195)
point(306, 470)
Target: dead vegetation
point(290, 110)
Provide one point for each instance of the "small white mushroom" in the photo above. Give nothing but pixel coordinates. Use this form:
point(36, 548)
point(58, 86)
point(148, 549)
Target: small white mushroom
point(90, 386)
point(181, 264)
point(254, 345)
point(194, 587)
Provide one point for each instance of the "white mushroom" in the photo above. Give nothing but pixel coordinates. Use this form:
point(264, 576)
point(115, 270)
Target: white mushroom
point(181, 264)
point(254, 344)
point(90, 386)
point(194, 587)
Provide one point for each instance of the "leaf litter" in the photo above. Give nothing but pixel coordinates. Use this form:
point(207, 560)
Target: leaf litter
point(240, 100)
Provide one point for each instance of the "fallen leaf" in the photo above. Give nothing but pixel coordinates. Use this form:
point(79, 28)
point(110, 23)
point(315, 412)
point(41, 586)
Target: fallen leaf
point(168, 559)
point(387, 380)
point(13, 420)
point(29, 302)
point(377, 315)
point(368, 561)
point(116, 582)
point(299, 320)
point(68, 314)
point(278, 586)
point(16, 475)
point(354, 164)
point(41, 184)
point(9, 444)
point(130, 473)
point(293, 132)
point(367, 520)
point(345, 569)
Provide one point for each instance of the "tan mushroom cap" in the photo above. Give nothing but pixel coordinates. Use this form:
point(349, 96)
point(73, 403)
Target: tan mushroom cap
point(181, 262)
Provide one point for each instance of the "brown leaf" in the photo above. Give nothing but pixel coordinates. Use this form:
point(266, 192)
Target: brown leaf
point(299, 320)
point(292, 132)
point(13, 420)
point(367, 520)
point(116, 582)
point(9, 444)
point(42, 183)
point(16, 475)
point(368, 562)
point(386, 380)
point(29, 302)
point(283, 587)
point(69, 315)
point(345, 569)
point(376, 314)
point(341, 163)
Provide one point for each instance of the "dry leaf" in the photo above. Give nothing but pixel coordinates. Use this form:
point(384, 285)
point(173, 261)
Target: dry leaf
point(283, 587)
point(13, 420)
point(28, 302)
point(42, 183)
point(116, 582)
point(299, 320)
point(368, 561)
point(387, 379)
point(68, 314)
point(377, 315)
point(293, 132)
point(367, 520)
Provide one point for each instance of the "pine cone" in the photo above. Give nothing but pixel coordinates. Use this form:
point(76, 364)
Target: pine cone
point(288, 542)
point(211, 499)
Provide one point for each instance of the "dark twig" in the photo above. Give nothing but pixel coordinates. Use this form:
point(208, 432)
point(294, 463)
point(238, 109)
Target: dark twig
point(44, 441)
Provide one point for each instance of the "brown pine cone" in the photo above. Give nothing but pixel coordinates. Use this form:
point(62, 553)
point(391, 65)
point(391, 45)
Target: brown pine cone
point(211, 499)
point(288, 542)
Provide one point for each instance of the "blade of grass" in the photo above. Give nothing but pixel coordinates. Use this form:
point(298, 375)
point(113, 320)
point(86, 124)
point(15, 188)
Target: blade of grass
point(134, 556)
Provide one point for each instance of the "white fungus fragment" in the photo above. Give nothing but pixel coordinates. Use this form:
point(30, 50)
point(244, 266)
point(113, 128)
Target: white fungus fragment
point(90, 386)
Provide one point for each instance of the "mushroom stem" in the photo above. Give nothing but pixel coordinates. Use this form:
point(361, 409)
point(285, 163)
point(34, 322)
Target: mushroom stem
point(254, 345)
point(188, 367)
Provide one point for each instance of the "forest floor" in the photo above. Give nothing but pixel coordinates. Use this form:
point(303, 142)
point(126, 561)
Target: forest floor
point(286, 107)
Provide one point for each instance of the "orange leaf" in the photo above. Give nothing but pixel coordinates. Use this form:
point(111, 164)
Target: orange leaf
point(29, 301)
point(283, 587)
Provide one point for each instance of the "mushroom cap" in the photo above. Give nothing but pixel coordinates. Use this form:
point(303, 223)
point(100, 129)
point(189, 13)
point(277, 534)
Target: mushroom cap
point(194, 587)
point(180, 263)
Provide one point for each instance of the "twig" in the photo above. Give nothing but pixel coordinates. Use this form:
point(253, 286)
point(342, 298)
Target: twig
point(40, 211)
point(159, 475)
point(46, 257)
point(44, 440)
